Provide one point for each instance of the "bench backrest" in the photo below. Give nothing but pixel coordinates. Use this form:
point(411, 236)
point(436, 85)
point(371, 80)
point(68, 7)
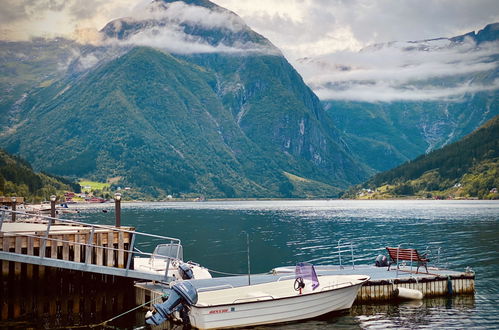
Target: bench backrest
point(403, 254)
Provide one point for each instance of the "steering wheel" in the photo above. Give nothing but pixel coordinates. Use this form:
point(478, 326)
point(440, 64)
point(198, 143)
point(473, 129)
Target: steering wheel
point(299, 284)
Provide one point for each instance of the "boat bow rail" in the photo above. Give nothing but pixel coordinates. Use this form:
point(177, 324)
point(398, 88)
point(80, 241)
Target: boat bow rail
point(69, 244)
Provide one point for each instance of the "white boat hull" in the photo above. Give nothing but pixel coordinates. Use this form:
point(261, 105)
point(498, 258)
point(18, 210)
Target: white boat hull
point(262, 307)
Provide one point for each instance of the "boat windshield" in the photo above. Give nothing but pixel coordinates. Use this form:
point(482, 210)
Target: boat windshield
point(164, 251)
point(307, 272)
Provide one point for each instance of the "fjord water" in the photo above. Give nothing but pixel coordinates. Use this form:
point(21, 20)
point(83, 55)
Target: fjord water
point(286, 232)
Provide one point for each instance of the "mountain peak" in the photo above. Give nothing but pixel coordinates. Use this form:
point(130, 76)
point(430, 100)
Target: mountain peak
point(200, 3)
point(489, 33)
point(186, 27)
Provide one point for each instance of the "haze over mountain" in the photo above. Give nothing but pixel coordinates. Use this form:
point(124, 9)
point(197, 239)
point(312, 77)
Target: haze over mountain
point(398, 100)
point(214, 109)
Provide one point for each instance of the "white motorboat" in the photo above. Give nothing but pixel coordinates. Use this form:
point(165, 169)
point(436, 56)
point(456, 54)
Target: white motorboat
point(167, 259)
point(291, 298)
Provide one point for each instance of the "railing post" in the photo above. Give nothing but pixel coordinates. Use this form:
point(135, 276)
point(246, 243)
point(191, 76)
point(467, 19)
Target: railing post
point(339, 252)
point(167, 268)
point(130, 252)
point(14, 200)
point(178, 250)
point(88, 250)
point(52, 206)
point(351, 249)
point(44, 243)
point(117, 209)
point(412, 252)
point(2, 216)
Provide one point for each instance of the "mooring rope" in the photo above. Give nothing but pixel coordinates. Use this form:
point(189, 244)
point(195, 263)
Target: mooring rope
point(104, 324)
point(232, 274)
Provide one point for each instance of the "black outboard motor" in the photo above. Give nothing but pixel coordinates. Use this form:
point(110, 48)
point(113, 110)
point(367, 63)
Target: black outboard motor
point(381, 261)
point(182, 294)
point(185, 271)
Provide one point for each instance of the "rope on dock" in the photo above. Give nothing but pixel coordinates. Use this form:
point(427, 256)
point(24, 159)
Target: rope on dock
point(104, 324)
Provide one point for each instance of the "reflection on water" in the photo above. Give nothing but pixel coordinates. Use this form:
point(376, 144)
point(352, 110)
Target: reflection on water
point(286, 232)
point(424, 313)
point(61, 298)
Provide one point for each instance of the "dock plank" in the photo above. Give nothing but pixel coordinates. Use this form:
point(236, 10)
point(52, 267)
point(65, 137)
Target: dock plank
point(77, 249)
point(18, 249)
point(65, 247)
point(121, 252)
point(110, 252)
point(99, 251)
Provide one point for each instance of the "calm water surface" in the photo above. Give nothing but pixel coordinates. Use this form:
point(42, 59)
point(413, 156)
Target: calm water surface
point(287, 232)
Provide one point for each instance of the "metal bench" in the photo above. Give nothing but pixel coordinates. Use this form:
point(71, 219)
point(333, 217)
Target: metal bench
point(397, 254)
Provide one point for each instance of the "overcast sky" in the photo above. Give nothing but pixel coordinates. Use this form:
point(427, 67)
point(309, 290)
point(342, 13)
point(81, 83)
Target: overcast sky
point(299, 27)
point(331, 31)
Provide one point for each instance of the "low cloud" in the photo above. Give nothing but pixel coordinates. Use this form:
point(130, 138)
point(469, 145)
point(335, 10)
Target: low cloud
point(174, 40)
point(164, 27)
point(381, 92)
point(402, 71)
point(181, 13)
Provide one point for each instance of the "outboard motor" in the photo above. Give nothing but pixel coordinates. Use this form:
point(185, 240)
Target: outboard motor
point(185, 271)
point(182, 294)
point(381, 261)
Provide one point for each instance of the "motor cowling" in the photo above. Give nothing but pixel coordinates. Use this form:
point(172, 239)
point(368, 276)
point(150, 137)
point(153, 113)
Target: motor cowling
point(182, 294)
point(381, 261)
point(185, 271)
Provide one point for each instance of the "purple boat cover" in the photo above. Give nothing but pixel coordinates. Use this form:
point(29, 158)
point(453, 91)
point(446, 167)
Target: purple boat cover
point(307, 272)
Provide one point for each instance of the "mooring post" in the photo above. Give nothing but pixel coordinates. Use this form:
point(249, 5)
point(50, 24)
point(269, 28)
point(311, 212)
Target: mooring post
point(14, 200)
point(117, 209)
point(248, 255)
point(52, 206)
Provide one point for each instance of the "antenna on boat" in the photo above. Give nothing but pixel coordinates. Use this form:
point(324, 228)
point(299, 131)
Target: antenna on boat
point(248, 254)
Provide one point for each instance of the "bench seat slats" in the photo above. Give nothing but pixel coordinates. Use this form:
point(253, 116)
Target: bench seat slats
point(397, 255)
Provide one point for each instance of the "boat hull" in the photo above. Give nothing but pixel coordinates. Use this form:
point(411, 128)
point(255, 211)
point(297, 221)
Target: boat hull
point(268, 310)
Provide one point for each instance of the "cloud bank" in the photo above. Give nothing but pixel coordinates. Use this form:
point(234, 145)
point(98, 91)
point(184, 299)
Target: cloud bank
point(168, 26)
point(316, 27)
point(402, 71)
point(329, 33)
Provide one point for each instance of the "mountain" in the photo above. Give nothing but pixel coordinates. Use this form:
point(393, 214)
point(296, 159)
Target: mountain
point(396, 101)
point(28, 65)
point(17, 178)
point(467, 168)
point(189, 100)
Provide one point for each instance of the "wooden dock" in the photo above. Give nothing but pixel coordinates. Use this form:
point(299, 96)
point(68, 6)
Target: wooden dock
point(36, 240)
point(102, 247)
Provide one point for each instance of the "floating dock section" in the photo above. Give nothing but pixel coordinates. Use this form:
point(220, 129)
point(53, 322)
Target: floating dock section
point(437, 282)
